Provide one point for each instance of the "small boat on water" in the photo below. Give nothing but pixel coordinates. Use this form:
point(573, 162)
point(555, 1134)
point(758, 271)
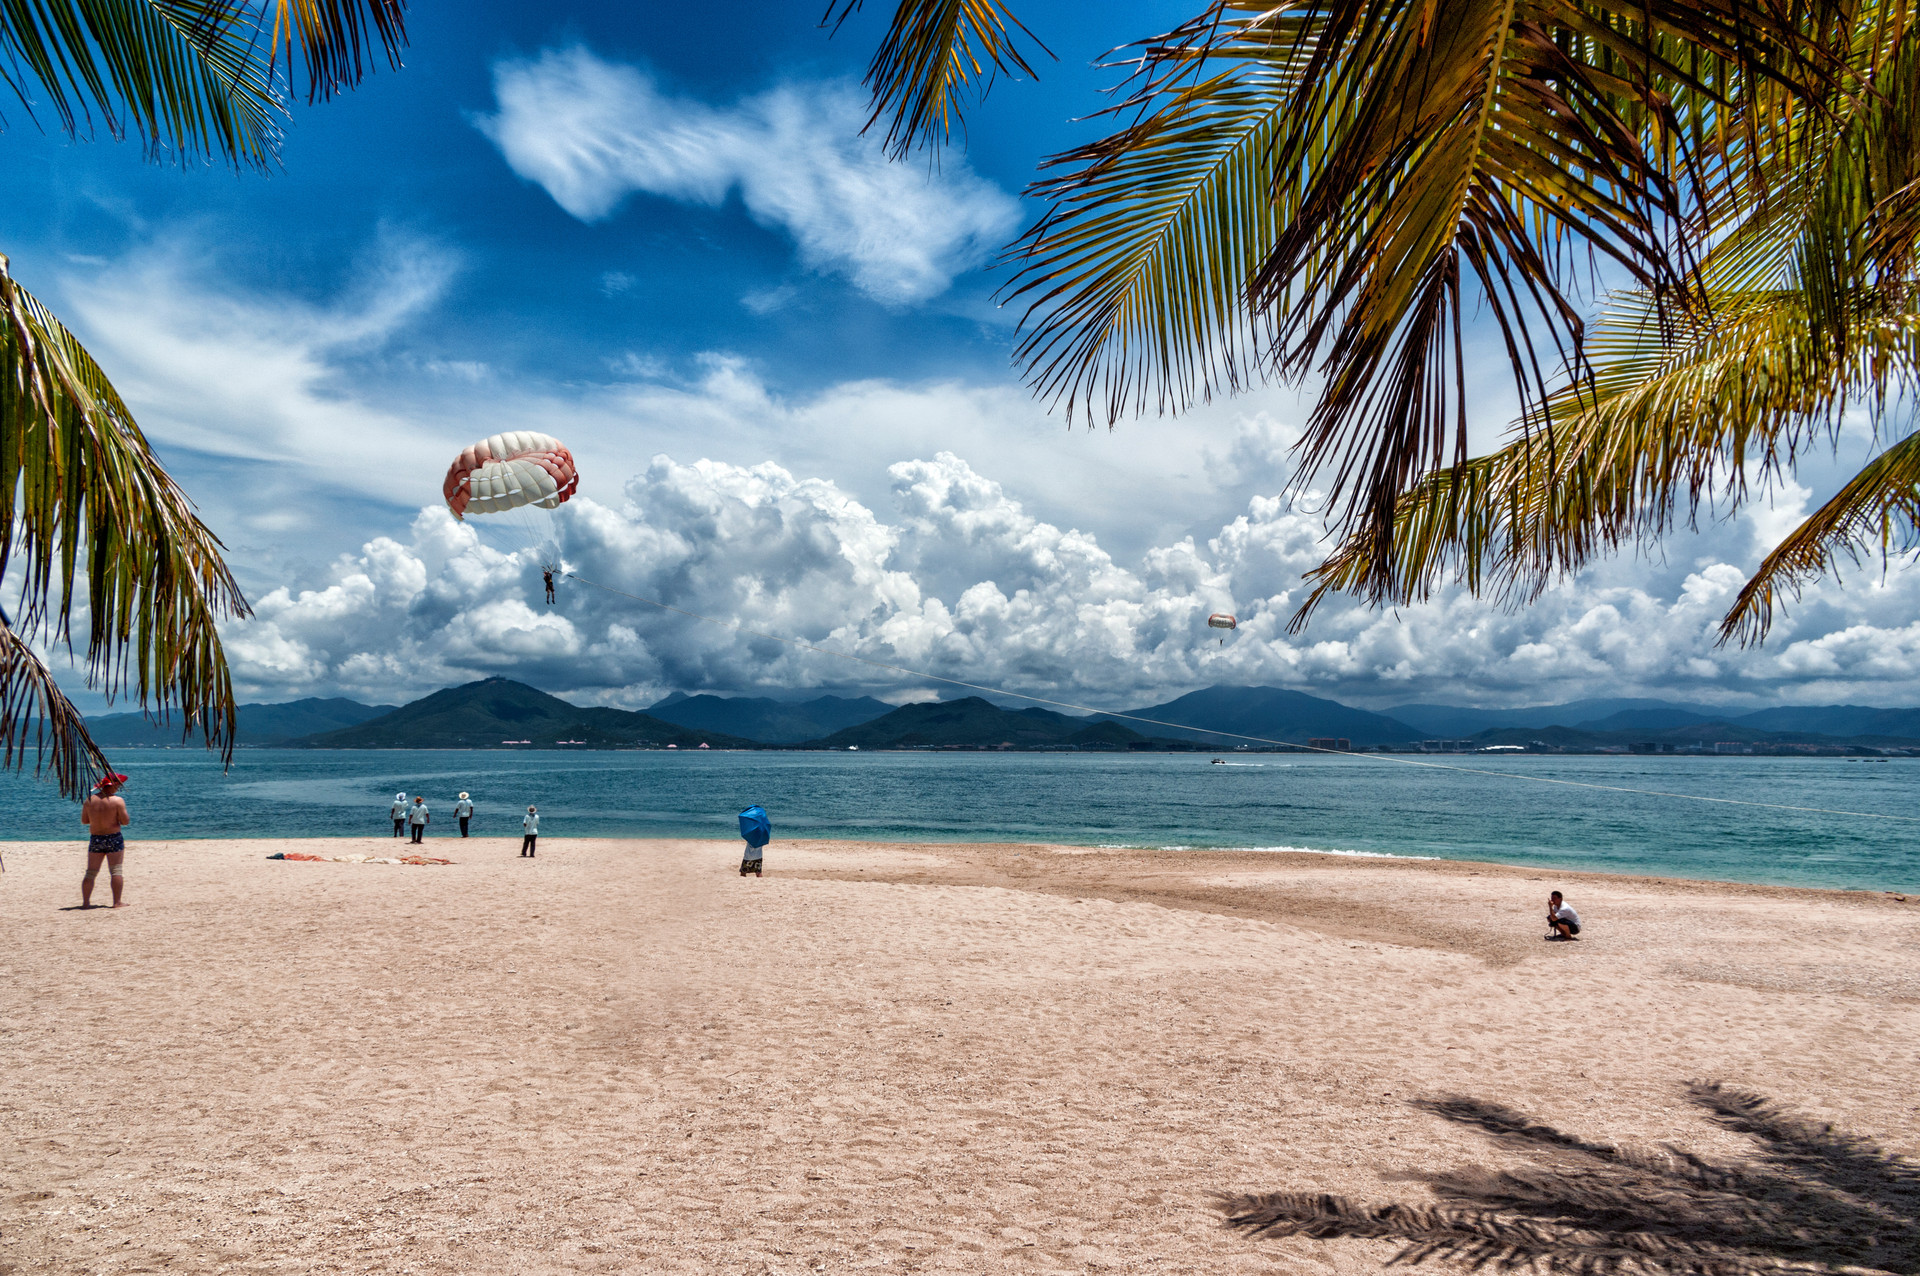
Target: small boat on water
point(1219, 762)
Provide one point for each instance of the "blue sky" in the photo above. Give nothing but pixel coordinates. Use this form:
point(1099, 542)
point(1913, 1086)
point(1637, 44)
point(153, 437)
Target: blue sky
point(655, 232)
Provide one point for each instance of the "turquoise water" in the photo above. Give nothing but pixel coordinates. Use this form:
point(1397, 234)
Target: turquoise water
point(1348, 804)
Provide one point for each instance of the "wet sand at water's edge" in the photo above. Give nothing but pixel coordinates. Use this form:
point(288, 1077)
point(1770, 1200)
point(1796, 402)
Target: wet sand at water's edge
point(622, 1057)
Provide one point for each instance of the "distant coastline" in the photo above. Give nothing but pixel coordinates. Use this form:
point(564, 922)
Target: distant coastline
point(500, 714)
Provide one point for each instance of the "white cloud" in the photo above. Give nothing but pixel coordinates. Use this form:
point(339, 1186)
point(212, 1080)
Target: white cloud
point(961, 581)
point(259, 379)
point(592, 132)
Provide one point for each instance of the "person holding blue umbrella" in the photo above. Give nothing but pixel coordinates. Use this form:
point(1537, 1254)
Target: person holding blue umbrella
point(758, 831)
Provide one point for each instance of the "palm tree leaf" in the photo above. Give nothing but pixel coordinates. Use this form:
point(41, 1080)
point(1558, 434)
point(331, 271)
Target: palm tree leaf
point(193, 78)
point(1141, 265)
point(185, 75)
point(338, 39)
point(936, 52)
point(89, 507)
point(1416, 159)
point(1672, 423)
point(36, 717)
point(1878, 509)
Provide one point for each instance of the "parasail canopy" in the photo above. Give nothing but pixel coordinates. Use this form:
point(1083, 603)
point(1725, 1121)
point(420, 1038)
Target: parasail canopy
point(1220, 620)
point(512, 470)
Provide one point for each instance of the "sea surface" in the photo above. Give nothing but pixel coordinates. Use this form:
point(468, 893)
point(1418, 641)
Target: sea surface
point(1469, 807)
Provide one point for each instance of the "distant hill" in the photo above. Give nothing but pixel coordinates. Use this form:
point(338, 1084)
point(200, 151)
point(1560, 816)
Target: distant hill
point(1446, 720)
point(260, 725)
point(974, 723)
point(1271, 714)
point(1837, 720)
point(769, 721)
point(1643, 716)
point(488, 714)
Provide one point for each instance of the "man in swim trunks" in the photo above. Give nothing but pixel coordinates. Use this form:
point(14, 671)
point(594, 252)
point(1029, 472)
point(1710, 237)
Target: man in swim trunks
point(104, 814)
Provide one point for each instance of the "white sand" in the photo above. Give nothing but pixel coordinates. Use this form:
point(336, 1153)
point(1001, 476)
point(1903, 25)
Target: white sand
point(622, 1057)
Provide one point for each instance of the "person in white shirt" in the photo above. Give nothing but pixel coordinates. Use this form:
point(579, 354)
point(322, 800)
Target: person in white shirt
point(463, 811)
point(418, 817)
point(1560, 916)
point(399, 813)
point(530, 831)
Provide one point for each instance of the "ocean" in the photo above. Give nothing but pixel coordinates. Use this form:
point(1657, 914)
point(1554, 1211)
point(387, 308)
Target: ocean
point(1357, 805)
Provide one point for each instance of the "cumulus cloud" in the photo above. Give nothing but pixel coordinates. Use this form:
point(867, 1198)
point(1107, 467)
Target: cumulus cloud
point(959, 580)
point(592, 132)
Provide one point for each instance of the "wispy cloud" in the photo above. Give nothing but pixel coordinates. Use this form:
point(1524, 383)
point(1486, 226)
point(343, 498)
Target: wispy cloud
point(592, 132)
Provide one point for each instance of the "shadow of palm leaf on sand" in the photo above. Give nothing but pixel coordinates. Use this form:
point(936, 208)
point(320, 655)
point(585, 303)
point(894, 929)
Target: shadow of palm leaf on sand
point(1809, 1199)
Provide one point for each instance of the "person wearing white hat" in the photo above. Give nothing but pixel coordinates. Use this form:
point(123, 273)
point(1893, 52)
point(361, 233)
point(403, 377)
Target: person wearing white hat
point(530, 832)
point(399, 813)
point(463, 810)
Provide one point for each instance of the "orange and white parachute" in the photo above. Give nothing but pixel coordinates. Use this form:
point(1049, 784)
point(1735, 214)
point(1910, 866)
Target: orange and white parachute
point(510, 471)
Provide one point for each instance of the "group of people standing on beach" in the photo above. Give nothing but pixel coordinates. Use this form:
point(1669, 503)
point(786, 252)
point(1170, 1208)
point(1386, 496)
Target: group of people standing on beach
point(415, 815)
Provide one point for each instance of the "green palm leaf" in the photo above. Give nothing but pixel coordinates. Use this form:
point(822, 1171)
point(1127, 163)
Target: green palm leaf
point(1878, 509)
point(1140, 266)
point(36, 717)
point(934, 53)
point(87, 515)
point(1808, 311)
point(1419, 160)
point(193, 78)
point(95, 518)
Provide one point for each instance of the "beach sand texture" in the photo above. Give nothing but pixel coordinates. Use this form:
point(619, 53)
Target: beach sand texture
point(621, 1057)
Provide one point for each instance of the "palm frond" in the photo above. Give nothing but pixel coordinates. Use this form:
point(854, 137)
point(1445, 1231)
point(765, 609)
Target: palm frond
point(36, 717)
point(934, 55)
point(1140, 267)
point(1672, 422)
point(1418, 160)
point(192, 78)
point(1878, 510)
point(87, 505)
point(339, 39)
point(185, 75)
point(1808, 311)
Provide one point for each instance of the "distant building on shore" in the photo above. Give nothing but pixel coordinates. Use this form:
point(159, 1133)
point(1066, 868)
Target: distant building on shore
point(1338, 744)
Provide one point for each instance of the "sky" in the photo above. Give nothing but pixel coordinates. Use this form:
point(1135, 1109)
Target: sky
point(657, 233)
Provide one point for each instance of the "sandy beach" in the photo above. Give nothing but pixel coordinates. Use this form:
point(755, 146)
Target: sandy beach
point(621, 1057)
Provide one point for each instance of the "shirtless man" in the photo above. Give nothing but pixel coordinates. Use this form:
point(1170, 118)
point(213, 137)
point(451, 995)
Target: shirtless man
point(104, 814)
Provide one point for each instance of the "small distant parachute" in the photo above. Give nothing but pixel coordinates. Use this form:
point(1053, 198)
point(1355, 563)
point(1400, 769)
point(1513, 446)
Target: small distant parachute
point(519, 476)
point(1221, 620)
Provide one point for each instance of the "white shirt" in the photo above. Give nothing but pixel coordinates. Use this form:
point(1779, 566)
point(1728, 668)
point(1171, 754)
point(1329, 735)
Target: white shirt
point(399, 809)
point(417, 813)
point(1566, 914)
point(463, 808)
point(531, 823)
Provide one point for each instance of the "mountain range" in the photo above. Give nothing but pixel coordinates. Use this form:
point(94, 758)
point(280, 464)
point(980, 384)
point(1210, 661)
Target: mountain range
point(1834, 720)
point(975, 723)
point(768, 721)
point(1267, 713)
point(262, 725)
point(502, 713)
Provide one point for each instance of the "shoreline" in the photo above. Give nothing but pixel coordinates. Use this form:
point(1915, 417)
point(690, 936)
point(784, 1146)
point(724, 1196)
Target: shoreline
point(979, 1057)
point(1254, 855)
